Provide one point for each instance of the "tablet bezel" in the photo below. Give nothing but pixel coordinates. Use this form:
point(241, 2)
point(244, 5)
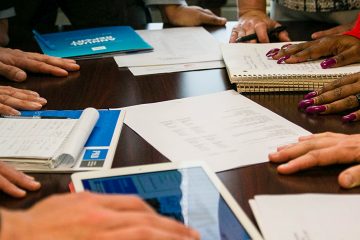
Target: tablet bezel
point(159, 167)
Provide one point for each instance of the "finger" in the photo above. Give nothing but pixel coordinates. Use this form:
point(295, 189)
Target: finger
point(318, 157)
point(11, 189)
point(321, 135)
point(18, 178)
point(313, 52)
point(348, 56)
point(331, 31)
point(299, 149)
point(10, 90)
point(236, 33)
point(284, 36)
point(291, 50)
point(349, 79)
point(12, 73)
point(27, 104)
point(40, 67)
point(6, 110)
point(67, 64)
point(336, 106)
point(352, 117)
point(350, 177)
point(21, 94)
point(211, 19)
point(261, 32)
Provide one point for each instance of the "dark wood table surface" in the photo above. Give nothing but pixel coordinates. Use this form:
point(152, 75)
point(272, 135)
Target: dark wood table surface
point(101, 84)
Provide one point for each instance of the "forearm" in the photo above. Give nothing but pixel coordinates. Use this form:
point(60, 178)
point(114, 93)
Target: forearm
point(245, 6)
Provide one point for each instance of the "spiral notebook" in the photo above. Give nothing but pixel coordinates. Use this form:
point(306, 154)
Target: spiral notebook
point(251, 71)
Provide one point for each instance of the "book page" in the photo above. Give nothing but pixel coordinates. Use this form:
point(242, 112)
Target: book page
point(224, 129)
point(33, 138)
point(246, 59)
point(174, 46)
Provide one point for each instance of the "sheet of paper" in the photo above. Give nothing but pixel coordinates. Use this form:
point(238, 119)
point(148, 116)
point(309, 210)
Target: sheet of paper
point(224, 129)
point(33, 138)
point(308, 216)
point(181, 67)
point(174, 46)
point(250, 59)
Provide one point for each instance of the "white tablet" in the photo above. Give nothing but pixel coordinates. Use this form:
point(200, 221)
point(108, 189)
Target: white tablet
point(188, 192)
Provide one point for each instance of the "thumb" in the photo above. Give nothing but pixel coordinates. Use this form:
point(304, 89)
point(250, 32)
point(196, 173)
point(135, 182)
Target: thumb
point(350, 177)
point(12, 73)
point(284, 36)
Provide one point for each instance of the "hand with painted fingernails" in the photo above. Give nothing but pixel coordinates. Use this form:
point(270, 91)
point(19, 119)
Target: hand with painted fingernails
point(339, 50)
point(319, 150)
point(15, 63)
point(340, 95)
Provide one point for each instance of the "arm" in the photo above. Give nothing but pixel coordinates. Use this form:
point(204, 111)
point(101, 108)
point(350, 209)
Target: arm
point(253, 19)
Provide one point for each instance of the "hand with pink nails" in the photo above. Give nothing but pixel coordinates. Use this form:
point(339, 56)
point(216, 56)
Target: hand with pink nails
point(339, 50)
point(319, 150)
point(14, 63)
point(340, 95)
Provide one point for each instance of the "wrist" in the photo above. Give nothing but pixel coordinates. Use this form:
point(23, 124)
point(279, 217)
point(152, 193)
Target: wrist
point(169, 11)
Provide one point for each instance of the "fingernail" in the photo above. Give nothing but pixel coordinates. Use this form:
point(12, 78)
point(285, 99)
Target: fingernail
point(272, 52)
point(349, 118)
point(34, 93)
point(310, 95)
point(348, 180)
point(282, 59)
point(315, 109)
point(20, 76)
point(35, 105)
point(29, 177)
point(43, 100)
point(305, 103)
point(327, 63)
point(286, 46)
point(14, 112)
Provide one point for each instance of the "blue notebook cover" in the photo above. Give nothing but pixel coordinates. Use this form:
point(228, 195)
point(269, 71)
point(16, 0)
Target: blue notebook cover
point(91, 42)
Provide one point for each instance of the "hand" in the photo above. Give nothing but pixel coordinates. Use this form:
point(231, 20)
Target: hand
point(256, 21)
point(14, 182)
point(337, 96)
point(321, 150)
point(333, 31)
point(180, 15)
point(14, 62)
point(344, 50)
point(4, 37)
point(86, 215)
point(11, 98)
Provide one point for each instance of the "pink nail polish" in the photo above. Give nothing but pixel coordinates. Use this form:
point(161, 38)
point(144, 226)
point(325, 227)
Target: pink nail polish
point(315, 109)
point(310, 95)
point(349, 118)
point(282, 59)
point(272, 51)
point(305, 103)
point(328, 63)
point(286, 46)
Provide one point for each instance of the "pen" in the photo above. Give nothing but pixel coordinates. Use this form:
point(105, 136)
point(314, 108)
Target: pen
point(43, 40)
point(254, 36)
point(32, 117)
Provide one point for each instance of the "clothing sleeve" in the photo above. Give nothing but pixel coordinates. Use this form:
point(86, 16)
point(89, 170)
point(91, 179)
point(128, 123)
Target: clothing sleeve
point(163, 2)
point(6, 9)
point(355, 31)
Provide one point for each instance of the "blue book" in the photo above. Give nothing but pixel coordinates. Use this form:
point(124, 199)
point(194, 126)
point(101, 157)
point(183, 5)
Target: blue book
point(91, 43)
point(99, 149)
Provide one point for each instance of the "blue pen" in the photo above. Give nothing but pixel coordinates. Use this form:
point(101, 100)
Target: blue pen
point(43, 40)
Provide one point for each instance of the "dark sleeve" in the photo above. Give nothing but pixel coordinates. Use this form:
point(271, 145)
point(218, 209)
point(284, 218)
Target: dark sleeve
point(6, 4)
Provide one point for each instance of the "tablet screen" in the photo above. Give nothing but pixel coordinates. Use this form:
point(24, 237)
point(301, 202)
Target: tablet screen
point(188, 195)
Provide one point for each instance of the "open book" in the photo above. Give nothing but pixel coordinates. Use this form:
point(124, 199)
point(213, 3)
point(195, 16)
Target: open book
point(252, 71)
point(60, 141)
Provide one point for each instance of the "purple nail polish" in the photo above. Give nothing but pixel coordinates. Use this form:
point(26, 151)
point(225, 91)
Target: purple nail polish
point(286, 46)
point(315, 109)
point(272, 54)
point(310, 95)
point(327, 63)
point(272, 51)
point(282, 59)
point(349, 118)
point(305, 103)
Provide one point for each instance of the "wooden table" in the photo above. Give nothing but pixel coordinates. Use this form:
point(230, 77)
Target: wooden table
point(101, 84)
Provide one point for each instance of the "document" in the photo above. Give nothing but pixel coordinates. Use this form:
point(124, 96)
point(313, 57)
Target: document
point(224, 129)
point(308, 216)
point(175, 49)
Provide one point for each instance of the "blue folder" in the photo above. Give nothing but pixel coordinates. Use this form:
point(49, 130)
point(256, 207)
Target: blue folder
point(91, 43)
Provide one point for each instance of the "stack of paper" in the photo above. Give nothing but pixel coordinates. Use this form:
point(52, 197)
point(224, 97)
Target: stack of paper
point(307, 216)
point(175, 50)
point(224, 129)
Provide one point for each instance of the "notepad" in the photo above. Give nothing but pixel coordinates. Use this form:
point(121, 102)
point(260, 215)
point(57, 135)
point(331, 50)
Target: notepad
point(78, 140)
point(92, 43)
point(251, 71)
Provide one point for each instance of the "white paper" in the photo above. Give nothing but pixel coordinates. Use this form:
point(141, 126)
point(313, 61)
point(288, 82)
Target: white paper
point(246, 59)
point(174, 46)
point(224, 129)
point(308, 216)
point(181, 67)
